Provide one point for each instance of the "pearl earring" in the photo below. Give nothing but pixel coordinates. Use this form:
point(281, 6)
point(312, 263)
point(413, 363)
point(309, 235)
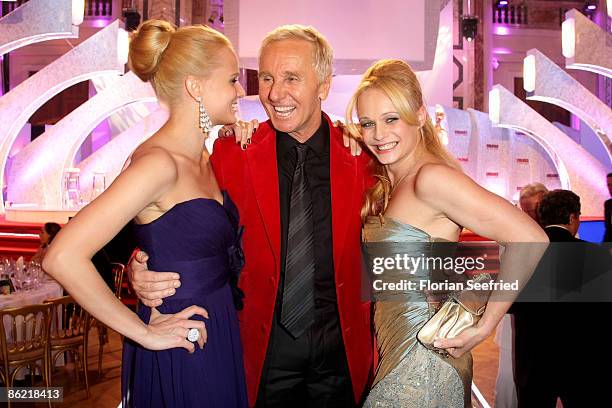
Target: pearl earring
point(205, 123)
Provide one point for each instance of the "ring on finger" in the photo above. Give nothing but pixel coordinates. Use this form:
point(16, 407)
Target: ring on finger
point(193, 335)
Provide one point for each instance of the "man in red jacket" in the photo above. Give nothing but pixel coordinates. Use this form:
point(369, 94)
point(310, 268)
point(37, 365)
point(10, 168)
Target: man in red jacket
point(305, 330)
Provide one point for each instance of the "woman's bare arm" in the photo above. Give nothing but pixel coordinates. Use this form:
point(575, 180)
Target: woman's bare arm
point(459, 198)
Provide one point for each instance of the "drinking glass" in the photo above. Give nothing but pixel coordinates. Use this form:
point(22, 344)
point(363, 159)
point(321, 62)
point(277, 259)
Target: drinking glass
point(98, 184)
point(72, 189)
point(37, 274)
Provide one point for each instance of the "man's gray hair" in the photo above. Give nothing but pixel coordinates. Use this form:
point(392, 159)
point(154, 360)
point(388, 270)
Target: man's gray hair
point(323, 54)
point(532, 189)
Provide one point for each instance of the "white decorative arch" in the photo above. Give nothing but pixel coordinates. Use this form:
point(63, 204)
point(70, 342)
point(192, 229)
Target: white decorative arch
point(36, 172)
point(111, 157)
point(578, 170)
point(545, 81)
point(40, 20)
point(103, 53)
point(586, 46)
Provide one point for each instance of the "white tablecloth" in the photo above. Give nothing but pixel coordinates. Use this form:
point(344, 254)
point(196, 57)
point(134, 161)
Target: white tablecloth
point(48, 290)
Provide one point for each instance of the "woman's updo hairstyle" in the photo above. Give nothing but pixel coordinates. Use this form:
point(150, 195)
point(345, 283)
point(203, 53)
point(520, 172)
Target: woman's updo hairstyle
point(164, 55)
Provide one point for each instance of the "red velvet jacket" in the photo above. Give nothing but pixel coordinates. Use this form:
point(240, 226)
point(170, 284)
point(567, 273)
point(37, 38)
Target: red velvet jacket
point(251, 178)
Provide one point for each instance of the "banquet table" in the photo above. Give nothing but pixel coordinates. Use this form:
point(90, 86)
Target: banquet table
point(48, 290)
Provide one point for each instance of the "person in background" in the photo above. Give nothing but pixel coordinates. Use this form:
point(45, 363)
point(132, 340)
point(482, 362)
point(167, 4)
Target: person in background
point(505, 389)
point(530, 197)
point(554, 358)
point(47, 233)
point(608, 212)
point(559, 213)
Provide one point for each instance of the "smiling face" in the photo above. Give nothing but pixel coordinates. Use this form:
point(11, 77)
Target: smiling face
point(223, 89)
point(289, 88)
point(385, 134)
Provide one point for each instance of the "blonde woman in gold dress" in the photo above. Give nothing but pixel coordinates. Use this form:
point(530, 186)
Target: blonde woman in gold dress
point(422, 196)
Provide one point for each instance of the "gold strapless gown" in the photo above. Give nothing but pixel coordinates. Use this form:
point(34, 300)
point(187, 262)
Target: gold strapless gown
point(408, 374)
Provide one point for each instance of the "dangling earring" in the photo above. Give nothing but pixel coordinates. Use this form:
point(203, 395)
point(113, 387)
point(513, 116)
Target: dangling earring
point(205, 123)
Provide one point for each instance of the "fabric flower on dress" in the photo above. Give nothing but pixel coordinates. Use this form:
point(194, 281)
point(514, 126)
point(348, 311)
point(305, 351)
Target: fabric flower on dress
point(236, 263)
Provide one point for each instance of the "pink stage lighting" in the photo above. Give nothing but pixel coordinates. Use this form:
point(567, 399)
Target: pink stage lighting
point(99, 22)
point(502, 51)
point(501, 30)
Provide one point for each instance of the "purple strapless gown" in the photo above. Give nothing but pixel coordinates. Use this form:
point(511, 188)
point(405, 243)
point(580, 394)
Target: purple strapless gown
point(200, 239)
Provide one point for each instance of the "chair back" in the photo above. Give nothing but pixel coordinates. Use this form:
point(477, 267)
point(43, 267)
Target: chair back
point(24, 331)
point(68, 319)
point(118, 271)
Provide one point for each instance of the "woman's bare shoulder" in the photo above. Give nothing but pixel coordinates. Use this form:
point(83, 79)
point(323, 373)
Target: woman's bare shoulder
point(438, 180)
point(436, 171)
point(153, 151)
point(151, 165)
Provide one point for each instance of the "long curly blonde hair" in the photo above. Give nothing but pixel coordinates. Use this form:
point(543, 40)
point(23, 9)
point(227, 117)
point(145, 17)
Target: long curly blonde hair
point(398, 81)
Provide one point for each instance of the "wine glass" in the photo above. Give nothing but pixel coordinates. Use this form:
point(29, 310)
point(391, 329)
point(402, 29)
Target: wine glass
point(26, 278)
point(16, 274)
point(37, 274)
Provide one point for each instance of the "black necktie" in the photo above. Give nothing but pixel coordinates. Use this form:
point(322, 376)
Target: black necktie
point(298, 290)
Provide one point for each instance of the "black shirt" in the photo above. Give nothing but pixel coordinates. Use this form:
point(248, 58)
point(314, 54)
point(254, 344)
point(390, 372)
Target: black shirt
point(608, 220)
point(317, 173)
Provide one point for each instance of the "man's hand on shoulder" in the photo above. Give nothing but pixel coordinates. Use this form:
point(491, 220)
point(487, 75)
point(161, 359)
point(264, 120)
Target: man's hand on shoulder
point(241, 131)
point(349, 141)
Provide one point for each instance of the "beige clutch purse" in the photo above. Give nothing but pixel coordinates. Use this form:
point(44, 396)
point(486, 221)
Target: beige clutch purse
point(458, 313)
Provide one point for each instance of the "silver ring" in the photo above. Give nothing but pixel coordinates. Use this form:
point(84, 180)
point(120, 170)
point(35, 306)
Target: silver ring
point(193, 335)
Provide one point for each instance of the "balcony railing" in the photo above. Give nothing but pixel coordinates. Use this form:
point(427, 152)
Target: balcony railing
point(8, 7)
point(93, 8)
point(510, 15)
point(98, 8)
point(535, 14)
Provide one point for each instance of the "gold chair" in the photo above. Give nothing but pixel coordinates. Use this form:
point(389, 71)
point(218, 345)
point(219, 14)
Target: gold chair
point(118, 271)
point(24, 340)
point(69, 332)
